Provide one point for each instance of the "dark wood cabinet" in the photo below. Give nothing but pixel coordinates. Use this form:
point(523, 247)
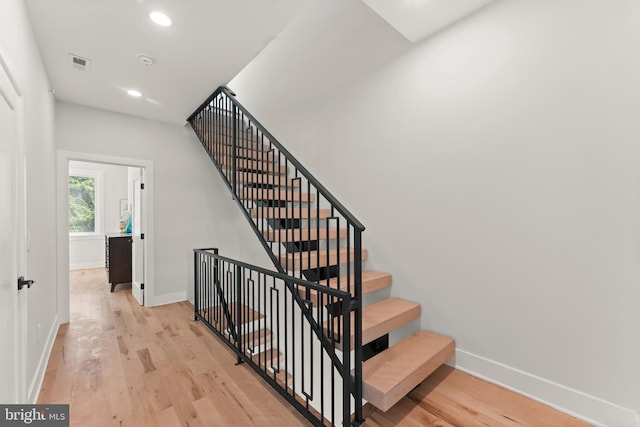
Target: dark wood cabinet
point(118, 258)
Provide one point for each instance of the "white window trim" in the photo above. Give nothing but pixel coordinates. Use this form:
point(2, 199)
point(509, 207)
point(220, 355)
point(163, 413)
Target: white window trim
point(98, 176)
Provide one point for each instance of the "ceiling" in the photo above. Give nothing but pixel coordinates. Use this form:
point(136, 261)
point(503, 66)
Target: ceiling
point(419, 19)
point(209, 42)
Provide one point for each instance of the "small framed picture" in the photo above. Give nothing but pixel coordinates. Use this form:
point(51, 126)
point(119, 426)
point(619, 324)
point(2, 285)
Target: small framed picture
point(124, 209)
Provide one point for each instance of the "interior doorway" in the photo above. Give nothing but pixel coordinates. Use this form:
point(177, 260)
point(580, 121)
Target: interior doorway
point(131, 207)
point(106, 223)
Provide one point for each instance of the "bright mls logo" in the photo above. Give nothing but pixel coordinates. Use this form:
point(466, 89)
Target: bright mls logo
point(34, 415)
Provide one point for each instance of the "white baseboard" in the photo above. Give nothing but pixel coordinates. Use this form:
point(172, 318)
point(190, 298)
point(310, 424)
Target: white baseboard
point(573, 402)
point(165, 299)
point(38, 377)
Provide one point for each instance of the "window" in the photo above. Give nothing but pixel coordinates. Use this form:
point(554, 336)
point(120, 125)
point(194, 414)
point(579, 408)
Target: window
point(85, 202)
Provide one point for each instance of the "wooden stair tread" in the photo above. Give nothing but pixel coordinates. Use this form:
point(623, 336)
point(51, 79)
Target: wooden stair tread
point(267, 359)
point(378, 319)
point(269, 362)
point(304, 234)
point(216, 137)
point(249, 193)
point(371, 281)
point(255, 165)
point(253, 339)
point(289, 213)
point(261, 155)
point(307, 260)
point(257, 338)
point(227, 157)
point(267, 179)
point(392, 374)
point(249, 315)
point(221, 128)
point(224, 143)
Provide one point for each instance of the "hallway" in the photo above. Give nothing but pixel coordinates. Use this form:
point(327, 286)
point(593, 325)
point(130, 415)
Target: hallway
point(118, 364)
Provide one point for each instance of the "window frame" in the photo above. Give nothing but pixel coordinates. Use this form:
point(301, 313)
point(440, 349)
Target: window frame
point(98, 177)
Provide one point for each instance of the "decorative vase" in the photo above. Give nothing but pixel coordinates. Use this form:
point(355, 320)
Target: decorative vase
point(122, 225)
point(128, 229)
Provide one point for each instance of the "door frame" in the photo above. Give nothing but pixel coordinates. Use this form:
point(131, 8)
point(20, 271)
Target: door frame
point(137, 237)
point(62, 206)
point(20, 211)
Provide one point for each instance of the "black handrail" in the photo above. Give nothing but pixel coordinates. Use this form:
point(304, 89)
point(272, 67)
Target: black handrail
point(326, 193)
point(255, 294)
point(271, 193)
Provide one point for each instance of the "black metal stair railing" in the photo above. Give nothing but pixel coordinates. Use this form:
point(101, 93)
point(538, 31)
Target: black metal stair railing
point(251, 309)
point(306, 231)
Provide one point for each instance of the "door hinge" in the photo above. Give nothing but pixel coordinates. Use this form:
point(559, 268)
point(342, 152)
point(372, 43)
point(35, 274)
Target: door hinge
point(142, 185)
point(142, 286)
point(141, 236)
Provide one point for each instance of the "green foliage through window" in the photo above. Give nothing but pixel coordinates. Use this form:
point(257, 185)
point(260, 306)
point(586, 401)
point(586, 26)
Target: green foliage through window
point(82, 204)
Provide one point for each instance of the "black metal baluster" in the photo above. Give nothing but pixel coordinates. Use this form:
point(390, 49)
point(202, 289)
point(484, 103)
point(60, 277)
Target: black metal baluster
point(196, 284)
point(319, 240)
point(308, 205)
point(358, 325)
point(346, 361)
point(320, 316)
point(293, 345)
point(234, 146)
point(265, 185)
point(302, 356)
point(277, 366)
point(238, 286)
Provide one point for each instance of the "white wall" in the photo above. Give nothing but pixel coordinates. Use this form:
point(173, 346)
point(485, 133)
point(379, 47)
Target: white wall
point(18, 44)
point(496, 168)
point(192, 208)
point(88, 251)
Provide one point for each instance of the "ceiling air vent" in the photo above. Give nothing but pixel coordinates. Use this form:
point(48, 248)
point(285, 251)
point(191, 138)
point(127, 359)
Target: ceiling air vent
point(79, 63)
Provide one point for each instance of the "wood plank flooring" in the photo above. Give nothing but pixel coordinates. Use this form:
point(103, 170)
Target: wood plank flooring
point(451, 398)
point(118, 364)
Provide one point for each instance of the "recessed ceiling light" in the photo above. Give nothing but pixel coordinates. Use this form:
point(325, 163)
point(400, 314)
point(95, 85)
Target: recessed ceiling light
point(134, 93)
point(160, 19)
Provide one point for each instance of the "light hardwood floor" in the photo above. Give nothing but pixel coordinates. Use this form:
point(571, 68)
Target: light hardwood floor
point(119, 364)
point(451, 398)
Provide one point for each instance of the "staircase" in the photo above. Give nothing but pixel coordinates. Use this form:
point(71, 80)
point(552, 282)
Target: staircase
point(316, 242)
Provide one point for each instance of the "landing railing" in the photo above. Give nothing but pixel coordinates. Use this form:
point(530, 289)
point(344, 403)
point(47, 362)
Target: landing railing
point(306, 231)
point(253, 311)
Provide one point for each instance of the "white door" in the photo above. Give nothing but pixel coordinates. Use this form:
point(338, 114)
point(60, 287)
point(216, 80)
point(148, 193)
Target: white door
point(137, 250)
point(12, 236)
